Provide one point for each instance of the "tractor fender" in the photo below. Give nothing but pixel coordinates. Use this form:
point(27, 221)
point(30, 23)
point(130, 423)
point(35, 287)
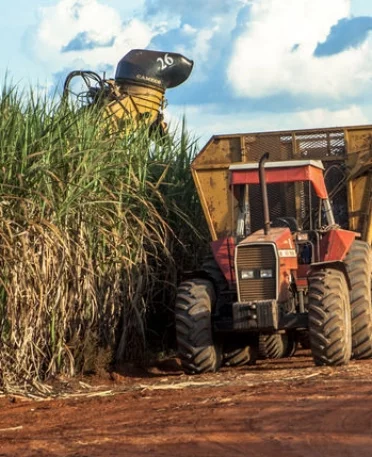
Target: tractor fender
point(337, 264)
point(197, 274)
point(214, 277)
point(210, 271)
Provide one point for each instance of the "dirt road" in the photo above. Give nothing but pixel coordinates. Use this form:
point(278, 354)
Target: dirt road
point(288, 408)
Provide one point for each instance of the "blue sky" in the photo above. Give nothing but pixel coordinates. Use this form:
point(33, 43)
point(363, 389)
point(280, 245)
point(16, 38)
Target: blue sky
point(259, 64)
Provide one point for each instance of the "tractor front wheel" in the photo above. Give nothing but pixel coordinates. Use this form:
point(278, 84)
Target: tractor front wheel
point(196, 348)
point(329, 317)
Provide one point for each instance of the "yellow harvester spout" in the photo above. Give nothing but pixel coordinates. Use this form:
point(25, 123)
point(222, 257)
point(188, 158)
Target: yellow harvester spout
point(137, 93)
point(136, 105)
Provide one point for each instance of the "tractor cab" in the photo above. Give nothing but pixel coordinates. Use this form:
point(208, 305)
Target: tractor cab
point(307, 173)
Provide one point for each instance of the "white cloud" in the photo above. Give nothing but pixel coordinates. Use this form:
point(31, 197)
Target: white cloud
point(264, 61)
point(187, 29)
point(207, 41)
point(101, 24)
point(202, 43)
point(353, 115)
point(203, 121)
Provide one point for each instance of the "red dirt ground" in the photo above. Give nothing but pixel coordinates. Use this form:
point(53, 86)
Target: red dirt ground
point(280, 408)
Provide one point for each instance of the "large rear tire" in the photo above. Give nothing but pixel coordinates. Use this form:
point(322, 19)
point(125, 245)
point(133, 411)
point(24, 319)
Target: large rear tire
point(358, 264)
point(329, 318)
point(196, 348)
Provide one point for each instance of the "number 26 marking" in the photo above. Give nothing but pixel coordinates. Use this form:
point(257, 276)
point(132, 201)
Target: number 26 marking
point(166, 62)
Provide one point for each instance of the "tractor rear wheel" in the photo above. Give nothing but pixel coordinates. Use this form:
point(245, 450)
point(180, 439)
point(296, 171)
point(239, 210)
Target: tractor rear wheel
point(273, 345)
point(196, 348)
point(358, 265)
point(329, 318)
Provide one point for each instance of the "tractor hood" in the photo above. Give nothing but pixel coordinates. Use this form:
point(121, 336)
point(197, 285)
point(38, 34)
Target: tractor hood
point(280, 236)
point(161, 69)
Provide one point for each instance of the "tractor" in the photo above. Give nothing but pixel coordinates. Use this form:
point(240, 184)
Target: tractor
point(266, 289)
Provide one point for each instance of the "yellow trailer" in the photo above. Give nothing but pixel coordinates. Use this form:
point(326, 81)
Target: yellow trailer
point(346, 153)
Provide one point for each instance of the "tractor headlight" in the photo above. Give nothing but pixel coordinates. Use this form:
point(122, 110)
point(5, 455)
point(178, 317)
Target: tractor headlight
point(266, 273)
point(247, 274)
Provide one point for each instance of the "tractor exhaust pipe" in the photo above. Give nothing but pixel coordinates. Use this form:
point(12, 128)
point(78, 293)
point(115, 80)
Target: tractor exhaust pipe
point(265, 200)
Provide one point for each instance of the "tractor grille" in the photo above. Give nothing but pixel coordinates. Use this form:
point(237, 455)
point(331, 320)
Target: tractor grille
point(256, 257)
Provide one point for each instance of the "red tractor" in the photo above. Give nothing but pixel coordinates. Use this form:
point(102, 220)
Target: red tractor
point(263, 292)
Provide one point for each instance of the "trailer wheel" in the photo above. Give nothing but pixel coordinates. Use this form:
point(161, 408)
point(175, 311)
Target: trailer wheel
point(329, 318)
point(272, 346)
point(196, 348)
point(237, 356)
point(358, 264)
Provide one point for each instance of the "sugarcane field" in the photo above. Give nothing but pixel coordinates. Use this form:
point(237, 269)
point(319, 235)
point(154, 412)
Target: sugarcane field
point(161, 297)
